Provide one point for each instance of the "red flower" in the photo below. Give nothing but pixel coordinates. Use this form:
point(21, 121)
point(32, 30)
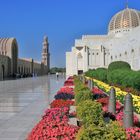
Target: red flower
point(96, 90)
point(61, 103)
point(53, 126)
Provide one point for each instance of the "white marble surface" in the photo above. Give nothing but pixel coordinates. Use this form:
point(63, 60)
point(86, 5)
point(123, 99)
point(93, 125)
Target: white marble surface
point(22, 103)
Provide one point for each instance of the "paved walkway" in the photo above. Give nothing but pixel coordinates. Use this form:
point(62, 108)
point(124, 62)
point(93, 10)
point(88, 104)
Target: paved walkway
point(22, 102)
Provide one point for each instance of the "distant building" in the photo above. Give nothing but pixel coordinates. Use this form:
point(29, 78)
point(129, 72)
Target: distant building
point(11, 64)
point(122, 43)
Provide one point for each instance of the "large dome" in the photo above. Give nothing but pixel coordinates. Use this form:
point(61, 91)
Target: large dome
point(124, 21)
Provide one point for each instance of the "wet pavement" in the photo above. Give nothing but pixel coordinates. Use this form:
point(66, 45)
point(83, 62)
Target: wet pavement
point(22, 103)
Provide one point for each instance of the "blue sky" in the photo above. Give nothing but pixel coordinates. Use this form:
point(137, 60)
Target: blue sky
point(61, 20)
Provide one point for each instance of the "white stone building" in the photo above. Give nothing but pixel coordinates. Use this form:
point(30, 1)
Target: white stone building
point(122, 43)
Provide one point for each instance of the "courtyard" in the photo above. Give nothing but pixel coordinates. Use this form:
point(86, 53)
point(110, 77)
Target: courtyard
point(22, 103)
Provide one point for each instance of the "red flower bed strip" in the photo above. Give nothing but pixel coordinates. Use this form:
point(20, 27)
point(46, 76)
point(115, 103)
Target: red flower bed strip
point(54, 126)
point(61, 103)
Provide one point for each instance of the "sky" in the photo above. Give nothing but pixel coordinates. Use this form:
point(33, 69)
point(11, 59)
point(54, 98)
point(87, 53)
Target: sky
point(62, 21)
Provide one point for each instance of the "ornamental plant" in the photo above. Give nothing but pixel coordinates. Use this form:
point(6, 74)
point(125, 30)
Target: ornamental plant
point(96, 90)
point(78, 85)
point(66, 90)
point(133, 133)
point(61, 103)
point(69, 82)
point(54, 126)
point(64, 96)
point(119, 94)
point(103, 101)
point(113, 131)
point(90, 112)
point(82, 95)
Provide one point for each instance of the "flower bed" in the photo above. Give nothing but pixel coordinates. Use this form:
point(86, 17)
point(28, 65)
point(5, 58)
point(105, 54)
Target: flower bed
point(69, 82)
point(54, 126)
point(65, 93)
point(120, 94)
point(131, 133)
point(54, 123)
point(61, 103)
point(66, 90)
point(64, 96)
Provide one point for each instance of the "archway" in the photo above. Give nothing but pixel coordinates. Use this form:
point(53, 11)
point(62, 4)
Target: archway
point(80, 63)
point(3, 72)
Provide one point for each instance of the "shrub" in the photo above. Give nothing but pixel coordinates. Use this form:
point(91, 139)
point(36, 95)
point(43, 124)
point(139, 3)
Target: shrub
point(82, 95)
point(113, 131)
point(100, 74)
point(78, 87)
point(90, 112)
point(125, 78)
point(118, 65)
point(89, 73)
point(92, 132)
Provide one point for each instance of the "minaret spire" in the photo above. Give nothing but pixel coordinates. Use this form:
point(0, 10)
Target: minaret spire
point(126, 3)
point(45, 52)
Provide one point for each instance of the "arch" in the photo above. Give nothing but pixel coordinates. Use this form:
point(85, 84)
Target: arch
point(80, 63)
point(9, 47)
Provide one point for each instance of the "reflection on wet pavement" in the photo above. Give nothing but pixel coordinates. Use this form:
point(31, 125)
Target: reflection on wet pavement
point(22, 102)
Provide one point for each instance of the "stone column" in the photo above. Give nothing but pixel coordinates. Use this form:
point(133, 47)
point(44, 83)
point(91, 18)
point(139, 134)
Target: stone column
point(84, 80)
point(91, 84)
point(128, 111)
point(112, 101)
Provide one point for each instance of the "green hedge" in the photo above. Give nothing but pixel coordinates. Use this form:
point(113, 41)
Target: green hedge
point(100, 74)
point(125, 78)
point(119, 73)
point(118, 65)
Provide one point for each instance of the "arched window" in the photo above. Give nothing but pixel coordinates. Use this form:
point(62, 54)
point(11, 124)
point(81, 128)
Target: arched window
point(80, 61)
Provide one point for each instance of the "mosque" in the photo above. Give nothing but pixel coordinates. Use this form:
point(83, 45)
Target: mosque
point(122, 43)
point(11, 64)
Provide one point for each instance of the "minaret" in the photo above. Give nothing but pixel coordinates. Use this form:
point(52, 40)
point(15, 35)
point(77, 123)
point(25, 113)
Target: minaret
point(126, 3)
point(45, 53)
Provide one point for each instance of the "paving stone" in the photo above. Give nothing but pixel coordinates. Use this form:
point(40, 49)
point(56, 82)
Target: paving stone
point(23, 102)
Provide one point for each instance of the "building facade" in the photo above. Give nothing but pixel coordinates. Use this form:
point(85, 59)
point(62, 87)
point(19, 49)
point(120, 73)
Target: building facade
point(11, 64)
point(122, 43)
